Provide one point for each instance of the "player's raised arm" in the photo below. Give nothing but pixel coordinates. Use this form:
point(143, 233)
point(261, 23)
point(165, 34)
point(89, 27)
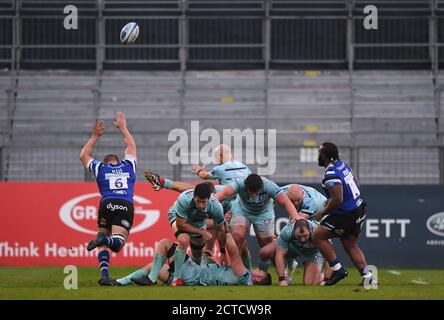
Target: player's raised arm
point(225, 193)
point(86, 153)
point(283, 200)
point(120, 123)
point(200, 172)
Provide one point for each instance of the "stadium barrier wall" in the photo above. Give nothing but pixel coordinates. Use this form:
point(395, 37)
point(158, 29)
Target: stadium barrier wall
point(49, 224)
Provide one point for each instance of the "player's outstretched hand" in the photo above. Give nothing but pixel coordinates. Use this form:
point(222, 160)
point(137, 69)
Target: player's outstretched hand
point(197, 168)
point(120, 121)
point(98, 128)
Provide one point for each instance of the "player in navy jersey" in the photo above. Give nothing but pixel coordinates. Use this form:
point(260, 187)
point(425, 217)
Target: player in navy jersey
point(343, 215)
point(115, 180)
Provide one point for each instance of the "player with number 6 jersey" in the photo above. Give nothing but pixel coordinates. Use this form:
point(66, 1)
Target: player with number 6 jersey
point(115, 179)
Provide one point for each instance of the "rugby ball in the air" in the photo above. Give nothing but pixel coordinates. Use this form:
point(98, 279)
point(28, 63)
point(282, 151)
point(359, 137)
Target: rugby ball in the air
point(129, 33)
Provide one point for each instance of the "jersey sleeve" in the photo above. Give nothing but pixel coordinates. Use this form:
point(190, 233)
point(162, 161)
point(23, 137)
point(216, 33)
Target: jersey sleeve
point(214, 173)
point(283, 239)
point(93, 166)
point(217, 213)
point(331, 179)
point(182, 206)
point(132, 160)
point(273, 189)
point(237, 185)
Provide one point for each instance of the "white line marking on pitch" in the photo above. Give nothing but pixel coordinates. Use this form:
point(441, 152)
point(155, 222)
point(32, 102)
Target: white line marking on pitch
point(396, 273)
point(418, 282)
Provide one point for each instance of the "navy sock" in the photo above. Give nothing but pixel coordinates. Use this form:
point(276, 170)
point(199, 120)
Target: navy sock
point(104, 263)
point(336, 266)
point(115, 243)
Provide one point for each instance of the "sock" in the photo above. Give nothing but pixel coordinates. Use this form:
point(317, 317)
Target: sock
point(365, 271)
point(159, 261)
point(135, 275)
point(115, 243)
point(263, 265)
point(103, 257)
point(247, 261)
point(291, 264)
point(179, 259)
point(166, 183)
point(336, 266)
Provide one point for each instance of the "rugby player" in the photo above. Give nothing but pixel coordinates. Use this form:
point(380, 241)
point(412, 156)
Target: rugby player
point(115, 179)
point(295, 241)
point(159, 183)
point(188, 217)
point(343, 215)
point(306, 200)
point(196, 274)
point(227, 169)
point(254, 205)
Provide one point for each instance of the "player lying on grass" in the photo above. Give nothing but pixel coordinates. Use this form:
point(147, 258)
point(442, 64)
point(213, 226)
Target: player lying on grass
point(195, 274)
point(295, 241)
point(188, 217)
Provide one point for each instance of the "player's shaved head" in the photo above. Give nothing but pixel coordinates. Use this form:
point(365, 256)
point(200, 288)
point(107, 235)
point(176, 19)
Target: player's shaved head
point(111, 158)
point(222, 154)
point(295, 193)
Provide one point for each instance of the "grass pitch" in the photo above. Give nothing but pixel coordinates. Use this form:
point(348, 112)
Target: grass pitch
point(47, 283)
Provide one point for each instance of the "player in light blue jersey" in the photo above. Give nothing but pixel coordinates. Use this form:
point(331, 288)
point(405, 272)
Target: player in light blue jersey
point(296, 241)
point(254, 205)
point(115, 180)
point(227, 169)
point(189, 214)
point(305, 199)
point(343, 215)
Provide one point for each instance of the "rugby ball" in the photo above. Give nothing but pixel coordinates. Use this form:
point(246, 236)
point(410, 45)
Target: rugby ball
point(129, 33)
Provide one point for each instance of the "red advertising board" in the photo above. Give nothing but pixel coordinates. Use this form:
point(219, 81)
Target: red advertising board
point(50, 224)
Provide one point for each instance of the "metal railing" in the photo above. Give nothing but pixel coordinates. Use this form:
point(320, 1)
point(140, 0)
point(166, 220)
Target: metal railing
point(192, 33)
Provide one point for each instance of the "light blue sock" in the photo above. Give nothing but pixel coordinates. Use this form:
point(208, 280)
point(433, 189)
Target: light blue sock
point(135, 275)
point(179, 259)
point(167, 184)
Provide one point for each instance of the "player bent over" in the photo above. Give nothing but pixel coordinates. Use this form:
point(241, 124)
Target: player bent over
point(306, 200)
point(115, 180)
point(159, 183)
point(188, 217)
point(295, 241)
point(254, 205)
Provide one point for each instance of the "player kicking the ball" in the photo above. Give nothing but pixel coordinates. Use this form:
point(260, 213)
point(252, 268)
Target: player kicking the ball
point(115, 180)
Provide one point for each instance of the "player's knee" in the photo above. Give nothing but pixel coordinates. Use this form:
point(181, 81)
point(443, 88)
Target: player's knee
point(238, 236)
point(118, 242)
point(183, 240)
